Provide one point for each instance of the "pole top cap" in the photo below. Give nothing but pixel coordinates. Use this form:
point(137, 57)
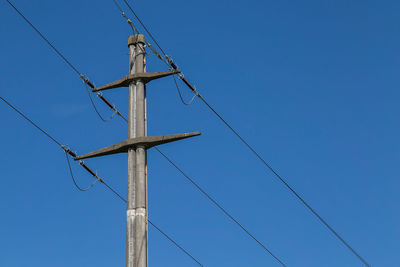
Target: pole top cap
point(135, 39)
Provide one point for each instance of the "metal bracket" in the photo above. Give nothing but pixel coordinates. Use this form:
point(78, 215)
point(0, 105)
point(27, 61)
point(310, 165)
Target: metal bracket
point(144, 77)
point(144, 141)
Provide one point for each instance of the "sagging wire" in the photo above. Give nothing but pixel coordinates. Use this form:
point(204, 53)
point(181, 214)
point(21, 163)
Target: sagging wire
point(98, 179)
point(92, 86)
point(172, 67)
point(180, 94)
point(73, 177)
point(88, 83)
point(166, 60)
point(193, 89)
point(95, 108)
point(69, 152)
point(59, 53)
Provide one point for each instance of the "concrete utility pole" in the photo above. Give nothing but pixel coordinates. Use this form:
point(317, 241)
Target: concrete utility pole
point(136, 146)
point(136, 223)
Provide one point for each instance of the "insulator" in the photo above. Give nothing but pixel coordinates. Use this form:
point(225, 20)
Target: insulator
point(106, 101)
point(72, 154)
point(188, 84)
point(88, 169)
point(175, 67)
point(90, 84)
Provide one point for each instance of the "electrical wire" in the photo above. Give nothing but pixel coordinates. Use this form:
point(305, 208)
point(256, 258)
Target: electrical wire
point(73, 178)
point(252, 149)
point(44, 38)
point(219, 206)
point(180, 94)
point(68, 151)
point(219, 116)
point(133, 27)
point(95, 108)
point(88, 83)
point(30, 121)
point(286, 184)
point(118, 6)
point(83, 77)
point(176, 244)
point(144, 26)
point(163, 233)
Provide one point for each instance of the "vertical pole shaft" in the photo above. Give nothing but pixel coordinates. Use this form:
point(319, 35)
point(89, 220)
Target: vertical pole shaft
point(136, 235)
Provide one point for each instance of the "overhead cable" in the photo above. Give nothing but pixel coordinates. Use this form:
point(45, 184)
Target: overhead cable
point(144, 26)
point(180, 94)
point(82, 76)
point(64, 148)
point(95, 108)
point(220, 207)
point(87, 82)
point(73, 177)
point(91, 85)
point(193, 89)
point(73, 154)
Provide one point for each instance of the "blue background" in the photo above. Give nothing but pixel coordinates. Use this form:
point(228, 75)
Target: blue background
point(313, 85)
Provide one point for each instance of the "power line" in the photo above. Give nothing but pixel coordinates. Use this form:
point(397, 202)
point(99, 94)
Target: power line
point(176, 244)
point(118, 7)
point(88, 83)
point(208, 105)
point(191, 87)
point(73, 177)
point(173, 164)
point(68, 151)
point(44, 38)
point(133, 27)
point(144, 26)
point(95, 108)
point(286, 183)
point(288, 186)
point(220, 207)
point(30, 121)
point(180, 94)
point(83, 77)
point(163, 233)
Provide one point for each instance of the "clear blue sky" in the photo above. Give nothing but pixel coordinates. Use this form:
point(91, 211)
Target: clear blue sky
point(312, 85)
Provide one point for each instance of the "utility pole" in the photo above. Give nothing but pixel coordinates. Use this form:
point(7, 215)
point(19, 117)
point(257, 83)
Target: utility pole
point(136, 221)
point(136, 147)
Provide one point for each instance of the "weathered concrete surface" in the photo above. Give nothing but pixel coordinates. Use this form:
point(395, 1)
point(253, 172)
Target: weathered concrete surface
point(143, 141)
